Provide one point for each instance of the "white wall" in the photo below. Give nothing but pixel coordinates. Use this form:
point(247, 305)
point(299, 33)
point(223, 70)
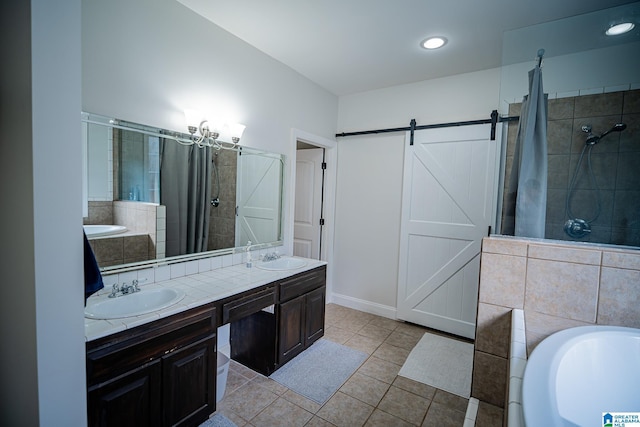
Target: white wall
point(42, 376)
point(608, 69)
point(146, 61)
point(370, 169)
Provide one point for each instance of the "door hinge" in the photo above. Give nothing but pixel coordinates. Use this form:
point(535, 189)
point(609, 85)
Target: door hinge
point(324, 165)
point(321, 221)
point(489, 231)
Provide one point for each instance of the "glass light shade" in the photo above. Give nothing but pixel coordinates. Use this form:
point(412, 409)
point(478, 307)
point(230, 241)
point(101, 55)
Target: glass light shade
point(193, 117)
point(236, 130)
point(621, 28)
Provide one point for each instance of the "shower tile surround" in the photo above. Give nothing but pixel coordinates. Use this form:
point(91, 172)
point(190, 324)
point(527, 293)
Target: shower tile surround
point(616, 164)
point(145, 236)
point(222, 233)
point(558, 286)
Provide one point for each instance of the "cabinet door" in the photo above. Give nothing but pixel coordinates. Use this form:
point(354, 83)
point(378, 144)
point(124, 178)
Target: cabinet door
point(189, 394)
point(291, 330)
point(314, 313)
point(131, 399)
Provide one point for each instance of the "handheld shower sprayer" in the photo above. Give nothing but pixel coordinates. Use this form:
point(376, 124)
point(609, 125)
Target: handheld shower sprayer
point(593, 139)
point(618, 127)
point(576, 227)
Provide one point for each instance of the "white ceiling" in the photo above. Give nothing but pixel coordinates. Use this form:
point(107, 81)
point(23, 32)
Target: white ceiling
point(351, 46)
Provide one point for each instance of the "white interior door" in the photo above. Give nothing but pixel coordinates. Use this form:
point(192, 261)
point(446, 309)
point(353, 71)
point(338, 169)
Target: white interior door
point(449, 190)
point(258, 198)
point(308, 206)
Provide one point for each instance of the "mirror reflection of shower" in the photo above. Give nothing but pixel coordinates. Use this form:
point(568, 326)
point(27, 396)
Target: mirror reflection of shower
point(578, 227)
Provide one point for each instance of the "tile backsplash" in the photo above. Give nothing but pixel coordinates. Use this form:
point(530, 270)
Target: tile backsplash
point(558, 285)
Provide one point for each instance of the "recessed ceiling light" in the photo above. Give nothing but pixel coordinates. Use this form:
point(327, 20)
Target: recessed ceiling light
point(621, 28)
point(433, 42)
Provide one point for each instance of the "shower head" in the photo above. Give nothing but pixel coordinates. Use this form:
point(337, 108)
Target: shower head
point(618, 127)
point(593, 139)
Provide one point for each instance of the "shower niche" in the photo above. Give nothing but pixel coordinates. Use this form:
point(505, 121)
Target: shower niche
point(593, 144)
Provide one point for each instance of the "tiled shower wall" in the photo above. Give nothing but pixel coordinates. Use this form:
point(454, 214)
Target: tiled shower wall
point(144, 240)
point(615, 161)
point(222, 232)
point(559, 286)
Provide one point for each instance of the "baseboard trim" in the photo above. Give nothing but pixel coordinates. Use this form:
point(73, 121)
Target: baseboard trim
point(363, 305)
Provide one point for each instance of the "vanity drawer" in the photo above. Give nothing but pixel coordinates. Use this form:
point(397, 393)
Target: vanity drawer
point(252, 303)
point(118, 353)
point(302, 283)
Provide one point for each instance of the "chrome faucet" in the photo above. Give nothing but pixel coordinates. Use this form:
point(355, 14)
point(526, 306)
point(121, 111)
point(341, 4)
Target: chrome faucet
point(247, 249)
point(271, 257)
point(124, 289)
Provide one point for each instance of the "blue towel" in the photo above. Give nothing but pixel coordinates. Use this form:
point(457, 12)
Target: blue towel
point(92, 277)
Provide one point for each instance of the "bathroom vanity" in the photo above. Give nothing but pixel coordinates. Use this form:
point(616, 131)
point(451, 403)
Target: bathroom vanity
point(163, 372)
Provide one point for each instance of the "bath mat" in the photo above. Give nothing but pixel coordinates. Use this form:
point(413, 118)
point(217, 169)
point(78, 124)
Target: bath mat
point(441, 362)
point(218, 420)
point(319, 371)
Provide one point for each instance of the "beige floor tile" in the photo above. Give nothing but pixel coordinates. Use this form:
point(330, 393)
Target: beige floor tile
point(415, 387)
point(242, 370)
point(411, 329)
point(362, 343)
point(402, 340)
point(303, 402)
point(403, 404)
point(379, 369)
point(373, 331)
point(382, 419)
point(270, 384)
point(391, 353)
point(353, 325)
point(249, 400)
point(282, 413)
point(364, 388)
point(383, 322)
point(232, 416)
point(489, 415)
point(345, 411)
point(234, 381)
point(319, 422)
point(337, 335)
point(451, 400)
point(374, 396)
point(439, 415)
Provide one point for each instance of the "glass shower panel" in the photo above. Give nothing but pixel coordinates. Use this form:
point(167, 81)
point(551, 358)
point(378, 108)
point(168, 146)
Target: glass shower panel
point(593, 192)
point(139, 166)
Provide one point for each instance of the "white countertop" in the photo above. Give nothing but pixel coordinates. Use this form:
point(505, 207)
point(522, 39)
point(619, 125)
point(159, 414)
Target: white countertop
point(199, 289)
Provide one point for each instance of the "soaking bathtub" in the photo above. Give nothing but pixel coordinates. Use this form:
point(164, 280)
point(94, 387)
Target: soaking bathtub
point(103, 230)
point(577, 375)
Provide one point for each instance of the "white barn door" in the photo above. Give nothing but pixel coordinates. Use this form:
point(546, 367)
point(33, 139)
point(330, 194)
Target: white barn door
point(258, 200)
point(448, 201)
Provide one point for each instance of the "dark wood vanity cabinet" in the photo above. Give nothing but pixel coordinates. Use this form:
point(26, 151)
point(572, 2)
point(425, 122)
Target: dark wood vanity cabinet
point(163, 373)
point(159, 374)
point(265, 340)
point(301, 312)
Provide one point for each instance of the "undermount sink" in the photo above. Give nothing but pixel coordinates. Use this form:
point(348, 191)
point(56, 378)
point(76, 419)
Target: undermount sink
point(144, 301)
point(284, 263)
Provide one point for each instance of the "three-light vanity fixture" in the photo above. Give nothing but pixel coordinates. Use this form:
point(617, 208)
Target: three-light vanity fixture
point(212, 133)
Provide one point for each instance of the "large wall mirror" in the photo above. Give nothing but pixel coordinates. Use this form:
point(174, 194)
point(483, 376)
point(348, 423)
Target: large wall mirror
point(151, 196)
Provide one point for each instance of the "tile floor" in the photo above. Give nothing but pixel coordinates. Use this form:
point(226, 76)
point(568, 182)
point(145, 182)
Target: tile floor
point(373, 396)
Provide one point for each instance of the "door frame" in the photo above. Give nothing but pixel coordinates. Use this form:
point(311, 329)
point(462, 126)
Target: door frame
point(330, 178)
